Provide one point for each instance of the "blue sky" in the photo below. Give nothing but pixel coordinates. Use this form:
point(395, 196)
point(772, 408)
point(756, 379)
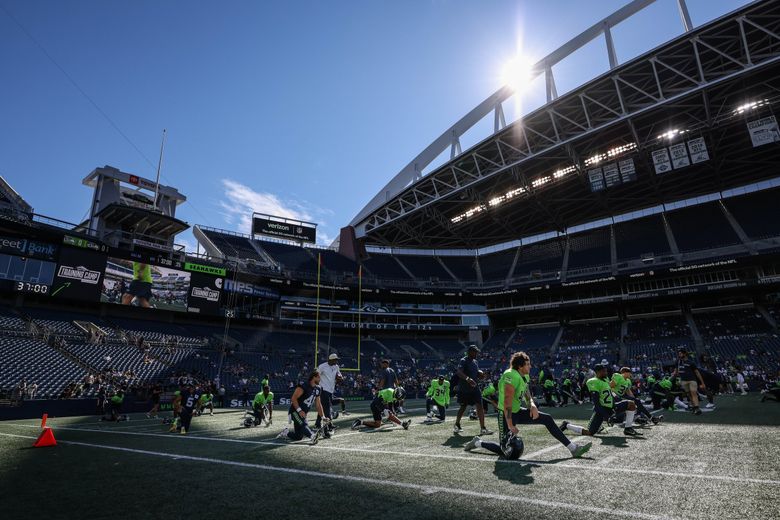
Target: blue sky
point(304, 109)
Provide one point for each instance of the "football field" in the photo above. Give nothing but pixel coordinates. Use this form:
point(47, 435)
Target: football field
point(723, 464)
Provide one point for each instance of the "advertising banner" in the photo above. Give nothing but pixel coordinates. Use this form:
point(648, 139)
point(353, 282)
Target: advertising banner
point(79, 274)
point(205, 294)
point(266, 226)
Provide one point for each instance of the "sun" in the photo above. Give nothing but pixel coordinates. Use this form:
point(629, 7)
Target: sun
point(518, 73)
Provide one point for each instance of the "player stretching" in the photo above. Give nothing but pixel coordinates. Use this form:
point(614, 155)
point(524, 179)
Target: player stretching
point(303, 397)
point(263, 401)
point(206, 401)
point(490, 397)
point(189, 400)
point(622, 387)
point(512, 387)
point(438, 395)
point(384, 400)
point(604, 406)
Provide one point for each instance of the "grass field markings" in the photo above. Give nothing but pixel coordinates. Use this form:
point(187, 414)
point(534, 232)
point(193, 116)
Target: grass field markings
point(423, 489)
point(540, 463)
point(606, 461)
point(551, 448)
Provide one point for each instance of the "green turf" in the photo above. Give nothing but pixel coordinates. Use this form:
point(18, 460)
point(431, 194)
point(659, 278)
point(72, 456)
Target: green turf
point(723, 464)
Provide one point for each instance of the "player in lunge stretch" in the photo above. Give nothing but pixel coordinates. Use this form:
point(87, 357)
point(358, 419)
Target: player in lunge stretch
point(490, 396)
point(438, 397)
point(513, 387)
point(384, 400)
point(304, 396)
point(622, 387)
point(604, 406)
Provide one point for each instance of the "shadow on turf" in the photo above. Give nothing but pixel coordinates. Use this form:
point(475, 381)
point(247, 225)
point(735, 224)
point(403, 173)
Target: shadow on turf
point(456, 441)
point(618, 441)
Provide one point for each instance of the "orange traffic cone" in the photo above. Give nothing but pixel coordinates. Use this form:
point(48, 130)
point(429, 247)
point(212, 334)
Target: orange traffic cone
point(46, 438)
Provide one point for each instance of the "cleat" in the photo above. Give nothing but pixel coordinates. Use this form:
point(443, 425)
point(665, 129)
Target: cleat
point(485, 431)
point(631, 432)
point(183, 432)
point(326, 434)
point(456, 429)
point(581, 450)
point(172, 429)
point(429, 415)
point(283, 434)
point(472, 444)
point(356, 424)
point(696, 411)
point(563, 425)
point(658, 419)
point(316, 437)
point(406, 423)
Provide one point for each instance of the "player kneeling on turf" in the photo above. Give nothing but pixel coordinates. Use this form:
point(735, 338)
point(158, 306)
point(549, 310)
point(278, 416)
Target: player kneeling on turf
point(384, 401)
point(263, 404)
point(438, 397)
point(604, 406)
point(305, 395)
point(206, 401)
point(512, 387)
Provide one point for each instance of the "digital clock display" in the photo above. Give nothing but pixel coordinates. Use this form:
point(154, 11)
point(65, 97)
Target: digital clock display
point(36, 288)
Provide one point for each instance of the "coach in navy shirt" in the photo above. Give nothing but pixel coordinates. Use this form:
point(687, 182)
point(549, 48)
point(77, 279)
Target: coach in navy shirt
point(468, 391)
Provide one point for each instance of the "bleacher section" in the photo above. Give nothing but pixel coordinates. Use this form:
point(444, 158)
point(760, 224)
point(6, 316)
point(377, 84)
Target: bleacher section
point(496, 266)
point(701, 227)
point(754, 213)
point(635, 238)
point(734, 322)
point(543, 256)
point(425, 267)
point(33, 359)
point(294, 258)
point(462, 267)
point(590, 249)
point(385, 266)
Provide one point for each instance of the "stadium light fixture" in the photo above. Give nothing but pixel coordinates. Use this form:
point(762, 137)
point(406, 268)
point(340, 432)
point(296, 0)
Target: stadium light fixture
point(750, 105)
point(671, 134)
point(610, 154)
point(509, 195)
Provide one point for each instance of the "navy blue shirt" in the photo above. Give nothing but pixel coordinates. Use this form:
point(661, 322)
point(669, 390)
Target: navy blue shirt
point(306, 400)
point(388, 378)
point(685, 370)
point(471, 369)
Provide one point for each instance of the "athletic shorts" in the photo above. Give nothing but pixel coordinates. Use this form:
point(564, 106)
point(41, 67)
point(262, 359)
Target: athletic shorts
point(469, 397)
point(601, 413)
point(689, 386)
point(377, 407)
point(140, 289)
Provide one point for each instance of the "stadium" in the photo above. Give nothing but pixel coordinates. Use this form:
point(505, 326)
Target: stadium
point(626, 232)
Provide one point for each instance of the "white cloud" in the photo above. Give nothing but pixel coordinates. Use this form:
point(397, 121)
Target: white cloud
point(241, 201)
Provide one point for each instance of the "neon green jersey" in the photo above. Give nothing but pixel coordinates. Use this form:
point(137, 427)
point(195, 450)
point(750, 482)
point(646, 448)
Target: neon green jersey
point(387, 395)
point(264, 382)
point(489, 391)
point(621, 384)
point(513, 378)
point(600, 392)
point(262, 399)
point(549, 384)
point(439, 392)
point(205, 398)
point(567, 382)
point(142, 272)
point(650, 380)
point(117, 399)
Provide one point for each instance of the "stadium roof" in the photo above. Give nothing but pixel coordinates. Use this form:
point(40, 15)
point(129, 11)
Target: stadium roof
point(533, 176)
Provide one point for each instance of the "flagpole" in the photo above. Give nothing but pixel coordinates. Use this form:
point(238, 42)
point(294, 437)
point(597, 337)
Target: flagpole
point(159, 167)
point(317, 318)
point(360, 310)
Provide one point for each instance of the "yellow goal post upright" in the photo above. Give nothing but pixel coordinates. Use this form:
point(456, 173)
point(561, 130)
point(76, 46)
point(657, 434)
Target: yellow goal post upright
point(317, 317)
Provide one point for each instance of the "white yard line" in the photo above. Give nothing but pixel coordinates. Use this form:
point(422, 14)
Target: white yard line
point(545, 464)
point(555, 446)
point(425, 489)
